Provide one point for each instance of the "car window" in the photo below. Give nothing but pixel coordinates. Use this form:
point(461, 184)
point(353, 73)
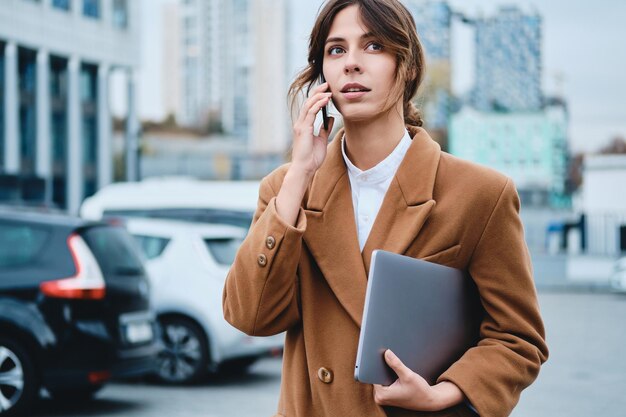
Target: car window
point(223, 250)
point(20, 244)
point(151, 246)
point(241, 219)
point(114, 249)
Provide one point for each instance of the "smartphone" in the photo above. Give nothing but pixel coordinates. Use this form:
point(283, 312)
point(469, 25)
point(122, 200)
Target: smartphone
point(324, 109)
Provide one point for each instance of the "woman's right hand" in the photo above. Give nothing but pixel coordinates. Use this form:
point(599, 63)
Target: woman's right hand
point(309, 150)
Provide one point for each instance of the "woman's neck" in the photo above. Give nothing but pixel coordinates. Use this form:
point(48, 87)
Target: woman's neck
point(369, 142)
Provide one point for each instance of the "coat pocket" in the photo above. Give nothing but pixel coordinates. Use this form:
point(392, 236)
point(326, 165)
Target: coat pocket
point(444, 256)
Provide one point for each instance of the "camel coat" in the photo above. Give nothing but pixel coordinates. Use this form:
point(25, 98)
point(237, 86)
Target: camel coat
point(310, 280)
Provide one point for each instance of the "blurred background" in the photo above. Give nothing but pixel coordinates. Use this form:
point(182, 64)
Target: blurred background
point(162, 116)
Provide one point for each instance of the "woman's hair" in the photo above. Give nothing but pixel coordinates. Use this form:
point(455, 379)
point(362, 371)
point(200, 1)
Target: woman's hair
point(392, 24)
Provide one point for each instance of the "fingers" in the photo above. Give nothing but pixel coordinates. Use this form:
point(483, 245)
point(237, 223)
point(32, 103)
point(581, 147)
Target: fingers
point(311, 113)
point(318, 93)
point(380, 395)
point(325, 132)
point(396, 364)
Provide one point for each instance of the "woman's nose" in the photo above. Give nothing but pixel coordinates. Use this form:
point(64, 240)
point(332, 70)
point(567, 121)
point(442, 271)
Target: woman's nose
point(352, 64)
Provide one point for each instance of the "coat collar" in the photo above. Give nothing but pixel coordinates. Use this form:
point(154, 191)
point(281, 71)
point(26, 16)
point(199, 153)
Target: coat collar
point(331, 234)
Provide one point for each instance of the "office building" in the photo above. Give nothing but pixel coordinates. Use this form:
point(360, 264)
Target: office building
point(235, 68)
point(508, 61)
point(529, 147)
point(56, 58)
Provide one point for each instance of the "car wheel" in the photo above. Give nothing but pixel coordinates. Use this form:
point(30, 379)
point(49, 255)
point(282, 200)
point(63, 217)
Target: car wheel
point(78, 394)
point(185, 357)
point(19, 384)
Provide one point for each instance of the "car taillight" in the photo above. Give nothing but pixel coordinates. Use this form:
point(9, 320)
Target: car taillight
point(87, 284)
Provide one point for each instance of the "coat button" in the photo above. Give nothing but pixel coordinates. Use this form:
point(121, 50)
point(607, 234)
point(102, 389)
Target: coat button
point(270, 242)
point(325, 375)
point(262, 260)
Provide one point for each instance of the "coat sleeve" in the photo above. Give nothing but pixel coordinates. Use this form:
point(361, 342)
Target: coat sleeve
point(260, 295)
point(512, 338)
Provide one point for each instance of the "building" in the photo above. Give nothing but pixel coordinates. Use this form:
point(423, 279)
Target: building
point(171, 95)
point(433, 19)
point(604, 204)
point(508, 61)
point(56, 58)
point(232, 79)
point(529, 147)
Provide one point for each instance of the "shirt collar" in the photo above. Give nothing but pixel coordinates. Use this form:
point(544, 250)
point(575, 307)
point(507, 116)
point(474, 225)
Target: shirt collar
point(384, 169)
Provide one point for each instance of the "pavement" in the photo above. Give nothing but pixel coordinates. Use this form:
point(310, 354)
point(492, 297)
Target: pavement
point(585, 375)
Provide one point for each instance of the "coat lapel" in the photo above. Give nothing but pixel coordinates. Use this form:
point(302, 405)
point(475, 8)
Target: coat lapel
point(331, 234)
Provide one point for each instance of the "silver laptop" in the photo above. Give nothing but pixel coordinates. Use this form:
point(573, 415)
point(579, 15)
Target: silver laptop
point(427, 314)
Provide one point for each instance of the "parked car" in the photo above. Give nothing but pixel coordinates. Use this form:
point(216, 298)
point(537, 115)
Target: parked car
point(618, 279)
point(74, 308)
point(221, 202)
point(188, 264)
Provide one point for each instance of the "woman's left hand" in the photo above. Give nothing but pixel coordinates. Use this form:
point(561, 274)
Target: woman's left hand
point(412, 392)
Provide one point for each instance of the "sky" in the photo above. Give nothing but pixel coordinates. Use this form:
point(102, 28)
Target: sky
point(583, 43)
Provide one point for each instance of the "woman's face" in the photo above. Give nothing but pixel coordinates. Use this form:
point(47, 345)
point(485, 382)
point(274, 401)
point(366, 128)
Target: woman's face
point(360, 73)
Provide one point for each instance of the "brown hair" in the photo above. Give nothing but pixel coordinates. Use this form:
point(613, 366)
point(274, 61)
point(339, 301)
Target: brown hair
point(392, 24)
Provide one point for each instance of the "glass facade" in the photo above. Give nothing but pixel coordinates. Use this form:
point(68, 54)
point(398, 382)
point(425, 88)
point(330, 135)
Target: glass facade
point(91, 8)
point(508, 61)
point(1, 108)
point(89, 137)
point(27, 76)
point(61, 4)
point(58, 105)
point(120, 14)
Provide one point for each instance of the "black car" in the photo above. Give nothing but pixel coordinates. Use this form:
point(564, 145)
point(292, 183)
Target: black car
point(74, 308)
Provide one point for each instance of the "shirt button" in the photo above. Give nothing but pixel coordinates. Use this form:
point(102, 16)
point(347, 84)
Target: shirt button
point(262, 260)
point(270, 242)
point(325, 375)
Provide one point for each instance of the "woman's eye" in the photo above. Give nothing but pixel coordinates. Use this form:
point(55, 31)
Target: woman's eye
point(335, 50)
point(374, 47)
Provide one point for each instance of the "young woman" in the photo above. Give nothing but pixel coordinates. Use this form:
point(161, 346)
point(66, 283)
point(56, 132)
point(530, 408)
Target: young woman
point(381, 183)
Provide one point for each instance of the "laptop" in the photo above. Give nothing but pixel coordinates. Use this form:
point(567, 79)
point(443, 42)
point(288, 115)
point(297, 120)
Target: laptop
point(427, 314)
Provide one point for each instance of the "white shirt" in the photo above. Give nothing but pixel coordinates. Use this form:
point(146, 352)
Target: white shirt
point(369, 187)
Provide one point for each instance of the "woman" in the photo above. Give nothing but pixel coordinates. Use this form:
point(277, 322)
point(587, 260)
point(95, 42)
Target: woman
point(303, 267)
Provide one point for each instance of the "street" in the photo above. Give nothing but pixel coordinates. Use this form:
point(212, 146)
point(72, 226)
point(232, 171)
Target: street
point(585, 375)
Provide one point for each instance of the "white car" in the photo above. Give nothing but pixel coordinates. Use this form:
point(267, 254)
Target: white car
point(187, 264)
point(223, 202)
point(618, 279)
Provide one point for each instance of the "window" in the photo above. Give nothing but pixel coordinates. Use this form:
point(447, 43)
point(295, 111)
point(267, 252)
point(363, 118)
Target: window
point(223, 250)
point(151, 246)
point(120, 14)
point(61, 4)
point(20, 244)
point(91, 8)
point(115, 250)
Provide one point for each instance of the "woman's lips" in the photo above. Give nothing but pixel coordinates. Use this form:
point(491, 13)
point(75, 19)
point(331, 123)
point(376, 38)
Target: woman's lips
point(353, 95)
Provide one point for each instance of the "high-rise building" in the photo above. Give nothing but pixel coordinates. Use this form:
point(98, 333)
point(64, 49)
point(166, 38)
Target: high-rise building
point(57, 57)
point(236, 63)
point(200, 67)
point(508, 61)
point(171, 59)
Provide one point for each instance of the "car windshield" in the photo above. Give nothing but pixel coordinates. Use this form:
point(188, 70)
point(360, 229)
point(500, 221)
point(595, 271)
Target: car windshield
point(114, 248)
point(223, 250)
